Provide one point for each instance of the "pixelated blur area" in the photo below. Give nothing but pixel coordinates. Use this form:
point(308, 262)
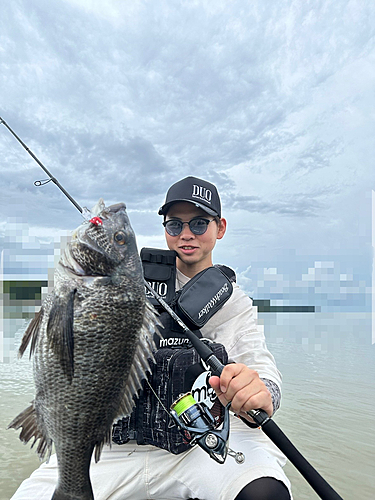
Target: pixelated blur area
point(320, 308)
point(318, 305)
point(27, 266)
point(373, 267)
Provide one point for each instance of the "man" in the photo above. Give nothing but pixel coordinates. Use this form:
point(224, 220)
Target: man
point(193, 223)
point(186, 201)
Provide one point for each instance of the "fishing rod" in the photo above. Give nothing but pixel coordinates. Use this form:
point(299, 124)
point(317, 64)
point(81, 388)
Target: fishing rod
point(84, 211)
point(260, 417)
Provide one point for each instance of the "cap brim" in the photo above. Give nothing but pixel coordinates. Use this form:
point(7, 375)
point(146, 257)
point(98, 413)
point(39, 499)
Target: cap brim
point(164, 209)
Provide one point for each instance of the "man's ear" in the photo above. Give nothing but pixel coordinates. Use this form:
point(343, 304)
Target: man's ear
point(222, 227)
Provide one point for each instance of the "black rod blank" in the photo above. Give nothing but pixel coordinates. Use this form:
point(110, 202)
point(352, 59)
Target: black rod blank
point(269, 427)
point(53, 179)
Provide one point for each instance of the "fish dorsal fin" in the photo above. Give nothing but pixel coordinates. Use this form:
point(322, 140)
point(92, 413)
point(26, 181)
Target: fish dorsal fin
point(60, 330)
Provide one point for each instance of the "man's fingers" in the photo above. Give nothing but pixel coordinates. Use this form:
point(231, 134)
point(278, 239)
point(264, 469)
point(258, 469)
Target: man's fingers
point(229, 372)
point(214, 382)
point(243, 388)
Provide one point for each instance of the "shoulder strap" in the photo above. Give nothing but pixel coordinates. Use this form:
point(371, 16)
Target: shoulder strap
point(158, 256)
point(159, 270)
point(228, 271)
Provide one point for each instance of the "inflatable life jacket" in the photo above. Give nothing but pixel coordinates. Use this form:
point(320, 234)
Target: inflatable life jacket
point(178, 367)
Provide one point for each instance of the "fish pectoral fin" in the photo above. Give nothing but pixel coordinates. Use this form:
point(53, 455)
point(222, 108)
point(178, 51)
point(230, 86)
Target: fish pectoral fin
point(28, 421)
point(60, 331)
point(31, 333)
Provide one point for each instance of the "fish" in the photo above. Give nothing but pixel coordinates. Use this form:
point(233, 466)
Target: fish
point(92, 345)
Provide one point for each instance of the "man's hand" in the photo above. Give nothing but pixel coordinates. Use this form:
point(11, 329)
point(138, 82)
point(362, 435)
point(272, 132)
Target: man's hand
point(243, 387)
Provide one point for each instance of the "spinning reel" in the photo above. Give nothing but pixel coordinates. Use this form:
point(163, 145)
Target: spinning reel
point(196, 423)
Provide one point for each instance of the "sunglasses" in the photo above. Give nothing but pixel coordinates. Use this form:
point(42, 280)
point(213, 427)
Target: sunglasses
point(197, 226)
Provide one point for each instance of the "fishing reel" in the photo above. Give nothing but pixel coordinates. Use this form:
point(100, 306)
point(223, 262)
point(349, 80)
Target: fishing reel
point(196, 423)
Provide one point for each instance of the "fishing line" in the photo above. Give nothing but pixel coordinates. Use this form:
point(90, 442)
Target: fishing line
point(260, 417)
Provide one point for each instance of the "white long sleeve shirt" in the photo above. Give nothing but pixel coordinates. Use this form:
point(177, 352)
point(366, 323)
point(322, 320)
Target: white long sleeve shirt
point(235, 326)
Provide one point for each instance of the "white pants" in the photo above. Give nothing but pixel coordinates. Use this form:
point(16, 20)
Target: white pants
point(144, 472)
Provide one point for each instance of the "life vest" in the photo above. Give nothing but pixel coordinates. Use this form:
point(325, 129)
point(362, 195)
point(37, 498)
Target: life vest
point(178, 368)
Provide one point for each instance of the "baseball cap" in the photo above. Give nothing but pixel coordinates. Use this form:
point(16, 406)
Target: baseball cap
point(201, 193)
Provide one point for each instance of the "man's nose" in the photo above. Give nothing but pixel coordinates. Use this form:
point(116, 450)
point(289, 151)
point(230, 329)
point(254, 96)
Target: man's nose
point(186, 233)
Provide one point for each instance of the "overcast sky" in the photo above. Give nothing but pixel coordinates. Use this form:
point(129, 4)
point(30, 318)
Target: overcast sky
point(274, 101)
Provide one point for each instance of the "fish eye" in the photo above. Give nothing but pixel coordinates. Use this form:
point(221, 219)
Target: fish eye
point(120, 238)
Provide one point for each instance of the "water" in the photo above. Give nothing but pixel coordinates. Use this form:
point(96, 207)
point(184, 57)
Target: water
point(328, 410)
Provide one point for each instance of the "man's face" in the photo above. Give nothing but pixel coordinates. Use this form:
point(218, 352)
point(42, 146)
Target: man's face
point(194, 251)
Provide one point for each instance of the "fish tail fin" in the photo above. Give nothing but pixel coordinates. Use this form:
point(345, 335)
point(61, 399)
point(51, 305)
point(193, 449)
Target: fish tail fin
point(28, 422)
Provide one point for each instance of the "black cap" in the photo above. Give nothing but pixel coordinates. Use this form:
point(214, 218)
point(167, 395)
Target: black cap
point(201, 193)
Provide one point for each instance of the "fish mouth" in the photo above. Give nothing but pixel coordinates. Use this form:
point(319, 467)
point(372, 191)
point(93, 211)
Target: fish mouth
point(68, 262)
point(71, 266)
point(84, 241)
point(81, 238)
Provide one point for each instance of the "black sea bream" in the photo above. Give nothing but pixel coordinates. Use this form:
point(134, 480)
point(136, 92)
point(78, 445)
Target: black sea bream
point(91, 341)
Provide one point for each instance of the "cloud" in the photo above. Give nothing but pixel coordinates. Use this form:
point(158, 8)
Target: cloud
point(271, 101)
point(296, 205)
point(316, 156)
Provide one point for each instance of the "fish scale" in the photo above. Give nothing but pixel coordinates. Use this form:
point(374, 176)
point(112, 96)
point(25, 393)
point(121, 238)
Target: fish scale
point(91, 342)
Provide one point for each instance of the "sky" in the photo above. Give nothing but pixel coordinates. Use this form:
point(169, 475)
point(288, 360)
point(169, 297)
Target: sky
point(274, 102)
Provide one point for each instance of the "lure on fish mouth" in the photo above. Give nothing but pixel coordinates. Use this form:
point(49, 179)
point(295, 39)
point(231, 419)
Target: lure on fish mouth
point(91, 342)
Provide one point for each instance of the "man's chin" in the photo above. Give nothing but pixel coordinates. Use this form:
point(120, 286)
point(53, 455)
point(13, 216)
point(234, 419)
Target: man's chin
point(186, 259)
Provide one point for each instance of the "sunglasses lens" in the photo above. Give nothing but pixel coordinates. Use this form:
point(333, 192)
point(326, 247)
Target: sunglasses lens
point(173, 227)
point(198, 226)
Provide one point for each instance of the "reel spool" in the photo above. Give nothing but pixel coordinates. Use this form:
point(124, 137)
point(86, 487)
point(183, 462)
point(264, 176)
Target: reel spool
point(195, 420)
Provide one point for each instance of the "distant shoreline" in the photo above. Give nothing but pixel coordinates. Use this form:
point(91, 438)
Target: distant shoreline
point(31, 290)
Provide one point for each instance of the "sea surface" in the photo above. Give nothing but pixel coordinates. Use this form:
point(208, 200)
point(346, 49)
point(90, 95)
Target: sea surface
point(328, 409)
